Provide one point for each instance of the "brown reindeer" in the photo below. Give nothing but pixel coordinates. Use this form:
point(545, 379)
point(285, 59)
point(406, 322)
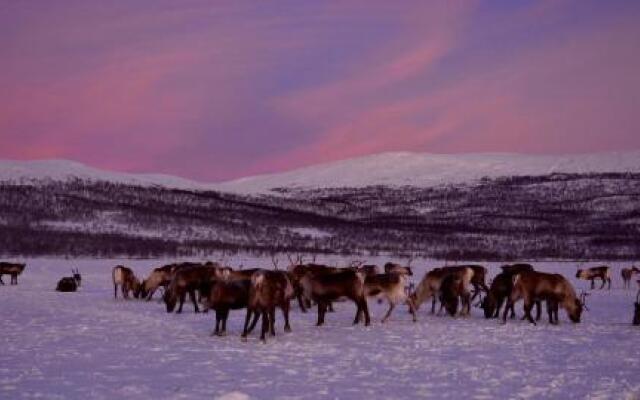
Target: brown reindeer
point(296, 272)
point(269, 289)
point(602, 272)
point(13, 269)
point(390, 286)
point(429, 286)
point(127, 280)
point(323, 288)
point(532, 286)
point(500, 290)
point(187, 281)
point(161, 277)
point(453, 290)
point(627, 275)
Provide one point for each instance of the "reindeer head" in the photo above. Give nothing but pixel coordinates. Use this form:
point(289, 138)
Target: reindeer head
point(170, 300)
point(76, 276)
point(488, 305)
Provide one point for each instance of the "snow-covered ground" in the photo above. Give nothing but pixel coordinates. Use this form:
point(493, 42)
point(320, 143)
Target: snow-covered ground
point(88, 345)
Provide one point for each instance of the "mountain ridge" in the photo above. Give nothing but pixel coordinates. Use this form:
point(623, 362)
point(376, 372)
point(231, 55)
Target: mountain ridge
point(386, 169)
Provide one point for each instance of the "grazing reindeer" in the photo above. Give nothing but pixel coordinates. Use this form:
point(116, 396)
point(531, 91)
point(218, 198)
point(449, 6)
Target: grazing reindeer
point(269, 289)
point(161, 277)
point(127, 280)
point(603, 273)
point(429, 286)
point(223, 295)
point(553, 288)
point(187, 281)
point(452, 289)
point(323, 288)
point(627, 275)
point(69, 283)
point(500, 290)
point(13, 269)
point(391, 287)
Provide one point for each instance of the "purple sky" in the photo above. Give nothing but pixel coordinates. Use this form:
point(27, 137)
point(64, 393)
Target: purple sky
point(215, 90)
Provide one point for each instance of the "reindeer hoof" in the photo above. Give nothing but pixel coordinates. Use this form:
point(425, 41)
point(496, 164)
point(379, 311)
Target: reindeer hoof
point(287, 329)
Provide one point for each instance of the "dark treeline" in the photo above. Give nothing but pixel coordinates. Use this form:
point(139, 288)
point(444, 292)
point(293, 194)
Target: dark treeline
point(573, 216)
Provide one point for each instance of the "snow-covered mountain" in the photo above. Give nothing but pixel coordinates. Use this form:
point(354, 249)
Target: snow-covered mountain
point(392, 169)
point(425, 170)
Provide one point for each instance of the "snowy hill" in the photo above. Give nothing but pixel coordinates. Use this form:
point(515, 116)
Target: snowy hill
point(427, 170)
point(390, 169)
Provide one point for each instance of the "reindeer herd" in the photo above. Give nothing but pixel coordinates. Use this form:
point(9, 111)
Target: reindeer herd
point(213, 286)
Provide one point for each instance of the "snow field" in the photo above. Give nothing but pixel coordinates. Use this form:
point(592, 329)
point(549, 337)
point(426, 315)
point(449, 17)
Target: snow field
point(88, 345)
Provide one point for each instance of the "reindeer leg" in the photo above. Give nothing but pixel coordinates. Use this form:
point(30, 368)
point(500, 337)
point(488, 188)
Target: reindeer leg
point(125, 293)
point(216, 330)
point(365, 308)
point(192, 296)
point(603, 283)
point(115, 291)
point(256, 316)
point(538, 310)
point(388, 314)
point(608, 280)
point(245, 330)
point(1, 282)
point(301, 304)
point(331, 307)
point(322, 308)
point(272, 320)
point(592, 283)
point(358, 312)
point(433, 304)
point(528, 306)
point(285, 314)
point(265, 326)
point(412, 309)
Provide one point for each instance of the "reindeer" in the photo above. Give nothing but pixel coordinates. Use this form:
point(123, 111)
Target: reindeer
point(324, 288)
point(69, 283)
point(298, 271)
point(398, 269)
point(269, 289)
point(223, 295)
point(429, 286)
point(127, 280)
point(534, 286)
point(500, 290)
point(452, 289)
point(602, 272)
point(187, 281)
point(161, 277)
point(390, 286)
point(627, 275)
point(13, 269)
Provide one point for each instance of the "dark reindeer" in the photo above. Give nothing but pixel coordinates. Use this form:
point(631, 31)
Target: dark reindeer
point(223, 295)
point(627, 275)
point(500, 290)
point(187, 281)
point(532, 286)
point(603, 273)
point(452, 291)
point(13, 269)
point(70, 283)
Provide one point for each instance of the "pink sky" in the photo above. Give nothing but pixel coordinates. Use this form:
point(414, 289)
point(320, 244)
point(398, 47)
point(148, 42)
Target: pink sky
point(219, 90)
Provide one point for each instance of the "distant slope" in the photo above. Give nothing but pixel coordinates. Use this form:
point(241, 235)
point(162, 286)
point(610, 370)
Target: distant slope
point(389, 169)
point(427, 170)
